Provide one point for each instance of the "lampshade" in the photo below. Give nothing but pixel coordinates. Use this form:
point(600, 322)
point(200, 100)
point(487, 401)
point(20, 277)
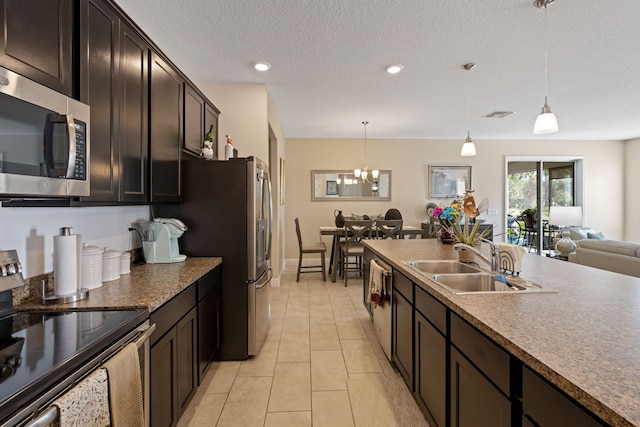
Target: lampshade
point(468, 148)
point(546, 122)
point(565, 215)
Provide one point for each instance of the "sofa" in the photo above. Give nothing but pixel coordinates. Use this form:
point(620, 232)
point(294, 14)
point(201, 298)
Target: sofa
point(611, 255)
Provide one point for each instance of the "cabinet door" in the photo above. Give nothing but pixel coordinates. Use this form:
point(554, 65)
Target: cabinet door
point(187, 362)
point(193, 120)
point(37, 41)
point(549, 407)
point(475, 401)
point(208, 329)
point(166, 117)
point(134, 116)
point(403, 337)
point(163, 377)
point(431, 370)
point(101, 83)
point(211, 114)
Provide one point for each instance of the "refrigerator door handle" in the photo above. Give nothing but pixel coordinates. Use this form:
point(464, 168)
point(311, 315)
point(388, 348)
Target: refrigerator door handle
point(267, 178)
point(266, 281)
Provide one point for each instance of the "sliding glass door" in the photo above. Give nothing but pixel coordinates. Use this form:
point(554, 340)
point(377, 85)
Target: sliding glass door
point(532, 186)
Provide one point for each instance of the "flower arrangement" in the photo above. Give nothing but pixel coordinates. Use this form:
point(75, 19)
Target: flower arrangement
point(449, 218)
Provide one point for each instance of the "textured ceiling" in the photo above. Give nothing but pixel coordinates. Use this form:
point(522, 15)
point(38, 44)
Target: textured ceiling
point(329, 58)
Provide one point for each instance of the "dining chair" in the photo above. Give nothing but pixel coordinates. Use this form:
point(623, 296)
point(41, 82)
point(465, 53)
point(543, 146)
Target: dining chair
point(530, 231)
point(314, 248)
point(388, 229)
point(354, 233)
point(393, 213)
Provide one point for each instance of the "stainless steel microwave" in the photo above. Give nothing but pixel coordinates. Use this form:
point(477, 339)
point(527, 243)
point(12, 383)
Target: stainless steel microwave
point(44, 140)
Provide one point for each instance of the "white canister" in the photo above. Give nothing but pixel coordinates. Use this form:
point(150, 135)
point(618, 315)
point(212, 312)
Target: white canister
point(110, 265)
point(91, 266)
point(125, 263)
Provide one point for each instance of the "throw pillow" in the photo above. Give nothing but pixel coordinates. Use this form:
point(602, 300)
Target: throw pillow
point(595, 236)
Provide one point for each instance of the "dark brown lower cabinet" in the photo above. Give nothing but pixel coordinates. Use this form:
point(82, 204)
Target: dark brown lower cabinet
point(173, 358)
point(430, 371)
point(163, 376)
point(475, 401)
point(187, 359)
point(548, 407)
point(208, 319)
point(460, 377)
point(403, 337)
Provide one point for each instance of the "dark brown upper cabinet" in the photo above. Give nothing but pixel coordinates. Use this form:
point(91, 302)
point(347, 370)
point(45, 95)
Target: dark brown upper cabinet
point(199, 115)
point(166, 138)
point(37, 41)
point(114, 82)
point(193, 120)
point(211, 114)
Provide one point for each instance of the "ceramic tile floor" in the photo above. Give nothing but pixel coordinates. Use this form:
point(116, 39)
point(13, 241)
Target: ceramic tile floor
point(321, 365)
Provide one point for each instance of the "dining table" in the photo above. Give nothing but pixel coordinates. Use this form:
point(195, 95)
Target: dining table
point(408, 231)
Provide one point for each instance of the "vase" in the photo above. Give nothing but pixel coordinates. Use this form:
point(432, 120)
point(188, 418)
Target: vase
point(339, 218)
point(465, 255)
point(446, 237)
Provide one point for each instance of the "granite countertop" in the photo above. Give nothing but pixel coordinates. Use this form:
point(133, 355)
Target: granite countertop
point(585, 339)
point(147, 286)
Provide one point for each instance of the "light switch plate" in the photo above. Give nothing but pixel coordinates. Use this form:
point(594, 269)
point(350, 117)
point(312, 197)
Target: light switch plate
point(492, 211)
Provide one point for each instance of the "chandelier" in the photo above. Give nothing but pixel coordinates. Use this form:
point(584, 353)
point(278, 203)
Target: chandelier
point(364, 172)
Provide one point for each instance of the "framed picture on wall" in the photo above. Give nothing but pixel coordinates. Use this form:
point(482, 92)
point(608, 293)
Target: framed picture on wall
point(332, 188)
point(448, 181)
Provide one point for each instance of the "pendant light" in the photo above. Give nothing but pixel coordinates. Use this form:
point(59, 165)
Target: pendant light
point(468, 148)
point(364, 172)
point(546, 121)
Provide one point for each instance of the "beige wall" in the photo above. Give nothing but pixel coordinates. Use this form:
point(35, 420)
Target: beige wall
point(244, 115)
point(409, 160)
point(632, 180)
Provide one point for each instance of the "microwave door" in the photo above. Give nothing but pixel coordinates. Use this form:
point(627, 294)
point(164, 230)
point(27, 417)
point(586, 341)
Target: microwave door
point(60, 146)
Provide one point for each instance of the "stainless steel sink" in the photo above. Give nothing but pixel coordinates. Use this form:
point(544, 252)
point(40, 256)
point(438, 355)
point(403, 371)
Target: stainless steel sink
point(441, 267)
point(460, 278)
point(484, 283)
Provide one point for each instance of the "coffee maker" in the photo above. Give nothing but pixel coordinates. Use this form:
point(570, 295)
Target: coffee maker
point(160, 240)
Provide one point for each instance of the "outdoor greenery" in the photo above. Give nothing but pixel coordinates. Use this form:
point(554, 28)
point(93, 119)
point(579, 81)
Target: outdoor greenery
point(557, 189)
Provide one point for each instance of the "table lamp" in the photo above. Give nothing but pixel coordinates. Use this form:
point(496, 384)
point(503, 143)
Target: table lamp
point(565, 216)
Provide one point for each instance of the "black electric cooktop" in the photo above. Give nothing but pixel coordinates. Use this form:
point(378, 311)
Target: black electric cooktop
point(38, 349)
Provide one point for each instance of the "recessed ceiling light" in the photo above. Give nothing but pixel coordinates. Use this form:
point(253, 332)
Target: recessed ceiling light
point(262, 66)
point(395, 68)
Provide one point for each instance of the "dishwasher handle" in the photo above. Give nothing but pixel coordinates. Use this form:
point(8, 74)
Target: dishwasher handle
point(46, 419)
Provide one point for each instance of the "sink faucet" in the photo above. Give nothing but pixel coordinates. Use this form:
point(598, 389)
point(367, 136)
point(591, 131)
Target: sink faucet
point(494, 262)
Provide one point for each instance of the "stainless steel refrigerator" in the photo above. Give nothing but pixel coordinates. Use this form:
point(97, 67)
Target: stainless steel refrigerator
point(228, 208)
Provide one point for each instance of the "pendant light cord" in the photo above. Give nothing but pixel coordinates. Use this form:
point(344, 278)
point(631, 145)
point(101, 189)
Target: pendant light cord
point(365, 141)
point(546, 42)
point(468, 102)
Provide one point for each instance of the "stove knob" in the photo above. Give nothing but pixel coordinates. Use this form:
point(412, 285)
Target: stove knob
point(14, 362)
point(11, 269)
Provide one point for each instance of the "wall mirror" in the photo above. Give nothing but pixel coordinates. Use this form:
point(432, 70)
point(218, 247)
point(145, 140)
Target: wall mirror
point(343, 185)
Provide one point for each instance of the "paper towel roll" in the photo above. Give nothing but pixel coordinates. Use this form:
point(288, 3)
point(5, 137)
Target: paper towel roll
point(66, 269)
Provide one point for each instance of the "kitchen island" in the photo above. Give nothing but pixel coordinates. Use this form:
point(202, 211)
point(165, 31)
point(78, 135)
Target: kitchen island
point(584, 339)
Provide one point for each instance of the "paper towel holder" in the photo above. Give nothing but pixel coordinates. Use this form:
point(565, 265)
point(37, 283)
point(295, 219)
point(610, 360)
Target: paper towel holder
point(62, 299)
